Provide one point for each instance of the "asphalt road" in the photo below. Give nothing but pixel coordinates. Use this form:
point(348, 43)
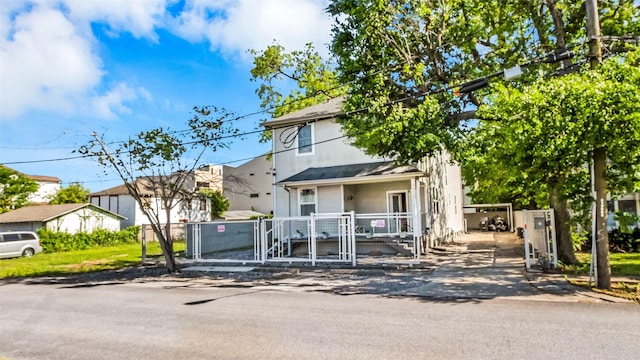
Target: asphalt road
point(183, 320)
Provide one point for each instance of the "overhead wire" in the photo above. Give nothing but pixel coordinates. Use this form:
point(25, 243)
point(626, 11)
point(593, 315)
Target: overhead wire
point(319, 118)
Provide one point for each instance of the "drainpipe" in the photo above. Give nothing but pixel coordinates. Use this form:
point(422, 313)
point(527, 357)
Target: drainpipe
point(288, 201)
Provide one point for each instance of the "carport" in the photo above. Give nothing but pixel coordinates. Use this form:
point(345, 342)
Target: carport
point(498, 206)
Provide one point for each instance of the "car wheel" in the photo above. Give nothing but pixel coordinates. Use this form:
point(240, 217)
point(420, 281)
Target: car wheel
point(28, 252)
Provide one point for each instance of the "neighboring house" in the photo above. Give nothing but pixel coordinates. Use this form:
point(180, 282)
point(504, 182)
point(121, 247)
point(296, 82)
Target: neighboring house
point(249, 186)
point(118, 200)
point(209, 177)
point(629, 203)
point(69, 218)
point(317, 170)
point(48, 186)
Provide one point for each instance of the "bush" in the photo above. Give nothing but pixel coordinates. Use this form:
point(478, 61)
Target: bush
point(53, 241)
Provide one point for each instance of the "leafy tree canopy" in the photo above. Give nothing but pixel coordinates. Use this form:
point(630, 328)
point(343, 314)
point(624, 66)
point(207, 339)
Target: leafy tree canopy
point(15, 189)
point(290, 81)
point(549, 130)
point(219, 203)
point(393, 53)
point(73, 194)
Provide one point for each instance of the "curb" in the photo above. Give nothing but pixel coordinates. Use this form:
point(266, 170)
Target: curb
point(566, 286)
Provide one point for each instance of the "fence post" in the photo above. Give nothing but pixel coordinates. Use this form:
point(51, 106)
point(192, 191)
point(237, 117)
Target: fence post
point(144, 244)
point(352, 239)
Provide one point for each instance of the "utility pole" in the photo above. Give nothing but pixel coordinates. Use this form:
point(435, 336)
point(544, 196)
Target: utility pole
point(603, 271)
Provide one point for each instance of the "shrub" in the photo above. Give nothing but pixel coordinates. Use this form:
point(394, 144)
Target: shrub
point(622, 241)
point(53, 241)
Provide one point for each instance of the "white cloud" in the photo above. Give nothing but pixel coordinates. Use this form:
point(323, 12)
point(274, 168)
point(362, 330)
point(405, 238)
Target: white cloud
point(234, 26)
point(138, 17)
point(113, 101)
point(46, 63)
point(49, 56)
point(50, 61)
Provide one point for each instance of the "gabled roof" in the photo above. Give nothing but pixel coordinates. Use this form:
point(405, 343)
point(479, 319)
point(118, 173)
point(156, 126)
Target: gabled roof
point(40, 178)
point(329, 109)
point(146, 188)
point(42, 213)
point(353, 173)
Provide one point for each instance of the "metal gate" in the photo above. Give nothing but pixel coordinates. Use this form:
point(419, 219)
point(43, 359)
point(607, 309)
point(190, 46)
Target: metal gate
point(315, 238)
point(540, 238)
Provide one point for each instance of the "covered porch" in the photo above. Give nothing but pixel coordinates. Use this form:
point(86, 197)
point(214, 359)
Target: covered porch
point(386, 200)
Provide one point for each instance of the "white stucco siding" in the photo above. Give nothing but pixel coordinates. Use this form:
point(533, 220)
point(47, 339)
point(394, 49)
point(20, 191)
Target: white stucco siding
point(84, 220)
point(372, 198)
point(329, 199)
point(325, 152)
point(250, 186)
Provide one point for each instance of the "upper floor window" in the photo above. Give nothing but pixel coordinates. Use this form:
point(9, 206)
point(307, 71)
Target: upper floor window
point(305, 140)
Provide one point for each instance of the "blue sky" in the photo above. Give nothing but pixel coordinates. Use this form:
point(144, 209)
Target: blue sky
point(72, 67)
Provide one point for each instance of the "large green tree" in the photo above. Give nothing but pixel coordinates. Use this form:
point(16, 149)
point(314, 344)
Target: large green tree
point(160, 163)
point(403, 59)
point(290, 81)
point(15, 189)
point(551, 129)
point(73, 194)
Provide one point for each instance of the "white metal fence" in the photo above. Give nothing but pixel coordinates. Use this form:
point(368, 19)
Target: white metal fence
point(318, 238)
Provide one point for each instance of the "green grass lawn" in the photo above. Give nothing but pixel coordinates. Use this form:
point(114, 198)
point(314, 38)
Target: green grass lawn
point(622, 264)
point(81, 261)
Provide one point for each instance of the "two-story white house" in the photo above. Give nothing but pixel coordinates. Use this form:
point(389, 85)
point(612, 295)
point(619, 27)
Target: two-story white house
point(118, 200)
point(317, 170)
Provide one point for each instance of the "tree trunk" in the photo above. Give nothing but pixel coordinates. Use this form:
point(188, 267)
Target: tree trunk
point(166, 243)
point(560, 205)
point(603, 271)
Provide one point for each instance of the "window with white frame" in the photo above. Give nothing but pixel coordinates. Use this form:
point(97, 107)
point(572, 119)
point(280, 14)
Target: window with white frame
point(305, 140)
point(435, 197)
point(307, 201)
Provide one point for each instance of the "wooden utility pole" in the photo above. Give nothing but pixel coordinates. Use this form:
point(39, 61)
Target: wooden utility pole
point(603, 271)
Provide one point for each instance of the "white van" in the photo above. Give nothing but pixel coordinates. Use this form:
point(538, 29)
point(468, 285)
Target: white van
point(19, 243)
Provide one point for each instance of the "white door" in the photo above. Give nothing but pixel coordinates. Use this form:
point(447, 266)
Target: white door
point(397, 203)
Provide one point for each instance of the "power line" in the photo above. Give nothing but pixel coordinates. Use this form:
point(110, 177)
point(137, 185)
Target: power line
point(468, 86)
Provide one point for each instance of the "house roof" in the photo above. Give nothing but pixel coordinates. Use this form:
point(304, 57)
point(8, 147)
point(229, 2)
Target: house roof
point(40, 178)
point(42, 213)
point(146, 188)
point(329, 109)
point(353, 173)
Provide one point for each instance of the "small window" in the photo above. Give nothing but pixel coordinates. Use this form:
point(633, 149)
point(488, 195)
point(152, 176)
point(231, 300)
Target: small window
point(254, 195)
point(201, 184)
point(305, 140)
point(203, 204)
point(251, 174)
point(268, 194)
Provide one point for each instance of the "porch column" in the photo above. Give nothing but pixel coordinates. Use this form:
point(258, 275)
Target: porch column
point(417, 219)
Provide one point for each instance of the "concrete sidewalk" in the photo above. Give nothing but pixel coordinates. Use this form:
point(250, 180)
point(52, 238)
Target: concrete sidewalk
point(488, 265)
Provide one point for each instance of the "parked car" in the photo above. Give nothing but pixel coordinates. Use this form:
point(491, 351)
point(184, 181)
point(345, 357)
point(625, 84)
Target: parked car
point(19, 243)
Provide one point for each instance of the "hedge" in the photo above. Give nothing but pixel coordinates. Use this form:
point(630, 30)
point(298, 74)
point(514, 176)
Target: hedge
point(53, 241)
